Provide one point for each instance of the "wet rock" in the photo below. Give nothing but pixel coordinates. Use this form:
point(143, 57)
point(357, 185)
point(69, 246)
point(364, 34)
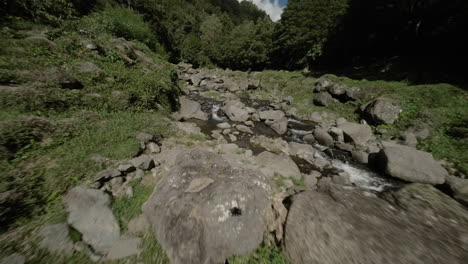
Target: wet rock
point(13, 259)
point(271, 115)
point(224, 125)
point(342, 179)
point(337, 134)
point(348, 225)
point(89, 213)
point(357, 133)
point(381, 111)
point(344, 146)
point(56, 240)
point(279, 126)
point(143, 162)
point(138, 225)
point(324, 99)
point(410, 164)
point(236, 111)
point(323, 138)
point(360, 156)
point(459, 188)
point(244, 129)
point(271, 164)
point(219, 221)
point(310, 139)
point(303, 151)
point(123, 248)
point(189, 109)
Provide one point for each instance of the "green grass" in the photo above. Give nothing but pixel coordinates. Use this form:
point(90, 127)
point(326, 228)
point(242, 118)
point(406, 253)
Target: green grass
point(125, 208)
point(263, 255)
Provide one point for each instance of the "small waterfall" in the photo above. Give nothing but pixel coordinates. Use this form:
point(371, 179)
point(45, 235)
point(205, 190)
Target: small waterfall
point(214, 114)
point(360, 177)
point(300, 132)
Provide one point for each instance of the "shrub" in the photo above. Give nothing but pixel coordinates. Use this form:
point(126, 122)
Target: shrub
point(46, 11)
point(122, 22)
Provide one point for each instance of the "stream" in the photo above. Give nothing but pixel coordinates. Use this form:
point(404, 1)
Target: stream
point(360, 175)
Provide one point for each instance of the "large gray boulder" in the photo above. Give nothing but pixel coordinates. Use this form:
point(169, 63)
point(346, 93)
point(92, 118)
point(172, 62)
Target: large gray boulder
point(190, 109)
point(272, 164)
point(410, 164)
point(324, 99)
point(356, 133)
point(323, 138)
point(207, 209)
point(381, 111)
point(236, 111)
point(418, 224)
point(89, 213)
point(303, 151)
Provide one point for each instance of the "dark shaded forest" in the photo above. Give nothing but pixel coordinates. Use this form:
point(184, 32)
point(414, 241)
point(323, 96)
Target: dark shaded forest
point(415, 40)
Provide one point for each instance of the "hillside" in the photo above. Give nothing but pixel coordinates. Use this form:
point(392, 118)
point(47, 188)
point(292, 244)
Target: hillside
point(203, 132)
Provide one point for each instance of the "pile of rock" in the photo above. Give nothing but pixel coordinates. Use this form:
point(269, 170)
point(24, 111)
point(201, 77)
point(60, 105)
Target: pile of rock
point(330, 92)
point(379, 111)
point(116, 181)
point(216, 80)
point(89, 212)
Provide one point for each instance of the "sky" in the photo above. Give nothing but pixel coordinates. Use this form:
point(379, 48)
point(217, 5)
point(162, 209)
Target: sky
point(274, 8)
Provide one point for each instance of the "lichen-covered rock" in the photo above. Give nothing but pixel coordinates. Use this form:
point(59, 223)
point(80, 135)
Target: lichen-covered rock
point(418, 224)
point(207, 210)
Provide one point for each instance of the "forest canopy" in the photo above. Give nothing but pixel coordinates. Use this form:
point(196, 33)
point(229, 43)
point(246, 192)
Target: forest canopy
point(311, 33)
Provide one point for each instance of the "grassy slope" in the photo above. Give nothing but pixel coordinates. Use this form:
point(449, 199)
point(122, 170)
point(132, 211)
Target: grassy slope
point(102, 118)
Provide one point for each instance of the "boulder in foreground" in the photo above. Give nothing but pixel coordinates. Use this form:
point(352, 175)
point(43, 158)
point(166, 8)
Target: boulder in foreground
point(420, 225)
point(207, 210)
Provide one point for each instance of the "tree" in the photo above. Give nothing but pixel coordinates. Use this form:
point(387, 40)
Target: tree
point(304, 29)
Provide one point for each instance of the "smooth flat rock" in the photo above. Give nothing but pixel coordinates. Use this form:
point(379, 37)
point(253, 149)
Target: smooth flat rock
point(236, 111)
point(89, 213)
point(357, 133)
point(271, 164)
point(410, 164)
point(418, 224)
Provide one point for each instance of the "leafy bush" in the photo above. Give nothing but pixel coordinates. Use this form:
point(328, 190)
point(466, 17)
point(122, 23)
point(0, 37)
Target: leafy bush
point(46, 11)
point(125, 23)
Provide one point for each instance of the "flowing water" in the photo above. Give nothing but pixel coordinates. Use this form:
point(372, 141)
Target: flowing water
point(359, 175)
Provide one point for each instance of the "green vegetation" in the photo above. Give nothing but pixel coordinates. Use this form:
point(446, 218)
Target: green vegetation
point(125, 208)
point(263, 255)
